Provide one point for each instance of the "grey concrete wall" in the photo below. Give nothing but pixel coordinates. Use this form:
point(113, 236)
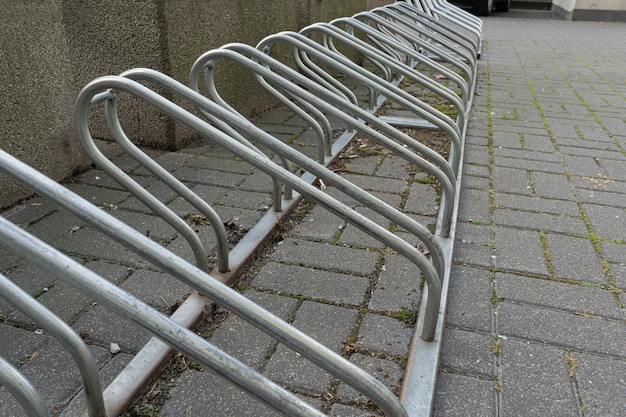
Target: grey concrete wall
point(36, 92)
point(51, 48)
point(590, 10)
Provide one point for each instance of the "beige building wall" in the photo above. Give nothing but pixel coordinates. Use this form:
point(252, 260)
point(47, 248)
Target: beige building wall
point(51, 48)
point(600, 10)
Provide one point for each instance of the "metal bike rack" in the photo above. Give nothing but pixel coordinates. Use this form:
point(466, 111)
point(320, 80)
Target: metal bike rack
point(446, 12)
point(155, 322)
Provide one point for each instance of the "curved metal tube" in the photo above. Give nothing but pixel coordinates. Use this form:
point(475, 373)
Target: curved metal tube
point(345, 186)
point(184, 340)
point(144, 196)
point(334, 32)
point(21, 388)
point(386, 42)
point(113, 122)
point(151, 320)
point(65, 335)
point(277, 328)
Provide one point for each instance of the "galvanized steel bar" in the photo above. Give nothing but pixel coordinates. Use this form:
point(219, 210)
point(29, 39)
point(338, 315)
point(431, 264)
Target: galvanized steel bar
point(340, 108)
point(21, 388)
point(64, 334)
point(129, 307)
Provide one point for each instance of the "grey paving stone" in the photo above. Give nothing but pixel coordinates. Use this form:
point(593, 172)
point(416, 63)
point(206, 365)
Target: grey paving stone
point(192, 396)
point(340, 410)
point(329, 325)
point(221, 164)
point(602, 198)
point(158, 189)
point(460, 395)
point(469, 299)
point(422, 199)
point(16, 344)
point(363, 165)
point(370, 183)
point(56, 226)
point(563, 249)
point(468, 353)
point(158, 290)
point(601, 384)
point(319, 224)
point(110, 271)
point(537, 204)
point(179, 246)
point(607, 222)
point(330, 257)
point(562, 296)
point(474, 206)
point(208, 176)
point(244, 219)
point(398, 286)
point(386, 371)
point(54, 374)
point(104, 327)
point(99, 196)
point(468, 232)
point(382, 334)
point(107, 374)
point(511, 180)
point(613, 252)
point(540, 221)
point(535, 381)
point(95, 245)
point(30, 210)
point(552, 186)
point(244, 341)
point(312, 283)
point(565, 329)
point(393, 167)
point(520, 250)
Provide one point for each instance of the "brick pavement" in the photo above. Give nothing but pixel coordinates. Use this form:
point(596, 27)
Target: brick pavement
point(536, 321)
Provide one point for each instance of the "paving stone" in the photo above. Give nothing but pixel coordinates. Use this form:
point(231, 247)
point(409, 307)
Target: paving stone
point(520, 250)
point(468, 353)
point(511, 180)
point(393, 167)
point(587, 267)
point(107, 374)
point(208, 176)
point(54, 374)
point(386, 371)
point(571, 297)
point(601, 384)
point(56, 226)
point(474, 206)
point(537, 204)
point(319, 224)
point(221, 164)
point(95, 245)
point(383, 334)
point(535, 379)
point(460, 395)
point(29, 211)
point(190, 395)
point(16, 344)
point(160, 291)
point(363, 165)
point(235, 334)
point(312, 283)
point(469, 299)
point(247, 199)
point(330, 326)
point(398, 286)
point(565, 329)
point(340, 410)
point(607, 222)
point(331, 257)
point(540, 221)
point(104, 327)
point(552, 186)
point(422, 199)
point(370, 183)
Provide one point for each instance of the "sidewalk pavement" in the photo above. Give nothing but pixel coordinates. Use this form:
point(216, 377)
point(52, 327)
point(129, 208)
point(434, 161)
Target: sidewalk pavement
point(535, 320)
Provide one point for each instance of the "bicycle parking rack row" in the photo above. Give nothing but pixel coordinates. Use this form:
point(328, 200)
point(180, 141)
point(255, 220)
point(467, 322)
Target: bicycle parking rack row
point(403, 38)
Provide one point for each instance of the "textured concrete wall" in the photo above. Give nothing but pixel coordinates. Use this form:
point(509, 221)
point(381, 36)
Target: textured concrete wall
point(52, 48)
point(36, 93)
